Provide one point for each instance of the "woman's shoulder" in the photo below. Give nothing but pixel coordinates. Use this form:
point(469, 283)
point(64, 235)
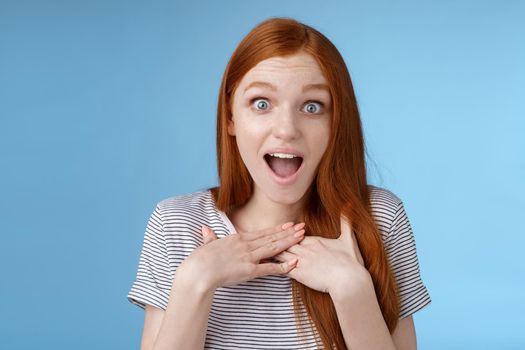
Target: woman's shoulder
point(381, 196)
point(186, 213)
point(384, 204)
point(197, 202)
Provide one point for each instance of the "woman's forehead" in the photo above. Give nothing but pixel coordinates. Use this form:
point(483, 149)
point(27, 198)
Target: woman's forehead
point(297, 68)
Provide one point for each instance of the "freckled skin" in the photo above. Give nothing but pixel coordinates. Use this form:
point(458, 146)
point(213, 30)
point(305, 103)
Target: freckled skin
point(283, 121)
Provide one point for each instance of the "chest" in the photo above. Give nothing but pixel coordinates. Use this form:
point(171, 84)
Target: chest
point(257, 314)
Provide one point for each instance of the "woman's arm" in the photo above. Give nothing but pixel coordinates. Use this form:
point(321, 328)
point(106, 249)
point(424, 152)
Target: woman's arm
point(360, 316)
point(363, 325)
point(152, 320)
point(404, 334)
point(183, 324)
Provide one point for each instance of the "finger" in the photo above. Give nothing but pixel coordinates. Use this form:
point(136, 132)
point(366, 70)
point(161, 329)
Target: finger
point(267, 231)
point(285, 256)
point(358, 254)
point(207, 234)
point(268, 248)
point(275, 236)
point(357, 251)
point(273, 268)
point(347, 234)
point(346, 230)
point(296, 249)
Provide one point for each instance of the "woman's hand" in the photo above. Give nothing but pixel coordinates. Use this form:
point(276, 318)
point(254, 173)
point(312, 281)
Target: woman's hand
point(329, 265)
point(237, 257)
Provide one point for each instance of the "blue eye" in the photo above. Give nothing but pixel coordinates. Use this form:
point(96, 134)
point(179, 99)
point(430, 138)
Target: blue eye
point(261, 104)
point(313, 107)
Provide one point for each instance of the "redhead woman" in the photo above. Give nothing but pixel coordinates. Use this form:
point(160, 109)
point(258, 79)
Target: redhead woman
point(293, 249)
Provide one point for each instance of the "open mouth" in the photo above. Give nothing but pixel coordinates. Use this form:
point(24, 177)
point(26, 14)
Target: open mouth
point(283, 165)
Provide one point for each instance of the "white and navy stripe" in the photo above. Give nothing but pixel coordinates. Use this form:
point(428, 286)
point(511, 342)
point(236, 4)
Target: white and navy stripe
point(258, 314)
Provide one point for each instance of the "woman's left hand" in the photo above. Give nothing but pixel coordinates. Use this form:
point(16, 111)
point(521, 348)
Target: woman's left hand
point(329, 265)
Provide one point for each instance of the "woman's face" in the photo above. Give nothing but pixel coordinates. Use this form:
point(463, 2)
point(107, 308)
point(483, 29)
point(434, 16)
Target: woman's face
point(281, 114)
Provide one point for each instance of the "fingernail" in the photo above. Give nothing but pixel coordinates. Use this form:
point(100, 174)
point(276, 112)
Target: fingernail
point(299, 233)
point(292, 262)
point(299, 226)
point(287, 225)
point(204, 230)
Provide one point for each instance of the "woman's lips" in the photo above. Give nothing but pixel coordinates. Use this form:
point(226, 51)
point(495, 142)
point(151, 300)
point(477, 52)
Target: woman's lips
point(283, 181)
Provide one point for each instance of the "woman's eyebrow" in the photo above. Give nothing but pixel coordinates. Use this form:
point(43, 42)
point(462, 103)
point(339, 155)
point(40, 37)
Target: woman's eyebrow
point(262, 84)
point(316, 87)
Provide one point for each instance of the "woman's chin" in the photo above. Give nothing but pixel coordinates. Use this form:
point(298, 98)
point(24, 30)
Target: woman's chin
point(278, 193)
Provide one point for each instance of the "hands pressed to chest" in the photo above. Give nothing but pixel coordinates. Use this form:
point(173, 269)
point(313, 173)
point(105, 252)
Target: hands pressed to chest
point(334, 266)
point(237, 257)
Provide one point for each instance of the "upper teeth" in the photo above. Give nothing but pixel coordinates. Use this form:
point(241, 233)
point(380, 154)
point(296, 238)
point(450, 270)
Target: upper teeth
point(283, 155)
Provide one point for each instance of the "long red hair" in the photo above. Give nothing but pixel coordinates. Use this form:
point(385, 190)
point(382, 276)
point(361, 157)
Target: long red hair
point(340, 186)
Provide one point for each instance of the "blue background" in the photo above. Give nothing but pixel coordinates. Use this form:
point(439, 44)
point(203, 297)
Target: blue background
point(107, 107)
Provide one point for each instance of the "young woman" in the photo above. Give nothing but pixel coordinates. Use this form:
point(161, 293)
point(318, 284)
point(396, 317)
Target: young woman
point(293, 249)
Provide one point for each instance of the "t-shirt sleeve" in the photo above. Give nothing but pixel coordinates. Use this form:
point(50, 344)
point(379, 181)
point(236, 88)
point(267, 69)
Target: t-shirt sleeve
point(153, 279)
point(401, 249)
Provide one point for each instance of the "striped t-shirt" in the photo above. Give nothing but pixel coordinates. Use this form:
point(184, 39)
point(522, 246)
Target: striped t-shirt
point(258, 314)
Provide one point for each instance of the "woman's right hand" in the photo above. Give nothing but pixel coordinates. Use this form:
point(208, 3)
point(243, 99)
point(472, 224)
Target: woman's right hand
point(237, 257)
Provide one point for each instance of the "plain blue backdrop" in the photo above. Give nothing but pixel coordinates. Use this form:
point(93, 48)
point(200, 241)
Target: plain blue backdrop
point(107, 107)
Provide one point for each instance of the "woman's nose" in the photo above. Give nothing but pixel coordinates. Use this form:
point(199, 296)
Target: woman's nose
point(285, 125)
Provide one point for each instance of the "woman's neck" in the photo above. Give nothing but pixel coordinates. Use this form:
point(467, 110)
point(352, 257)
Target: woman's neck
point(261, 212)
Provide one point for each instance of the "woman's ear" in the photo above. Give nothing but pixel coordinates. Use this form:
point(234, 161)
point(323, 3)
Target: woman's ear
point(231, 127)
